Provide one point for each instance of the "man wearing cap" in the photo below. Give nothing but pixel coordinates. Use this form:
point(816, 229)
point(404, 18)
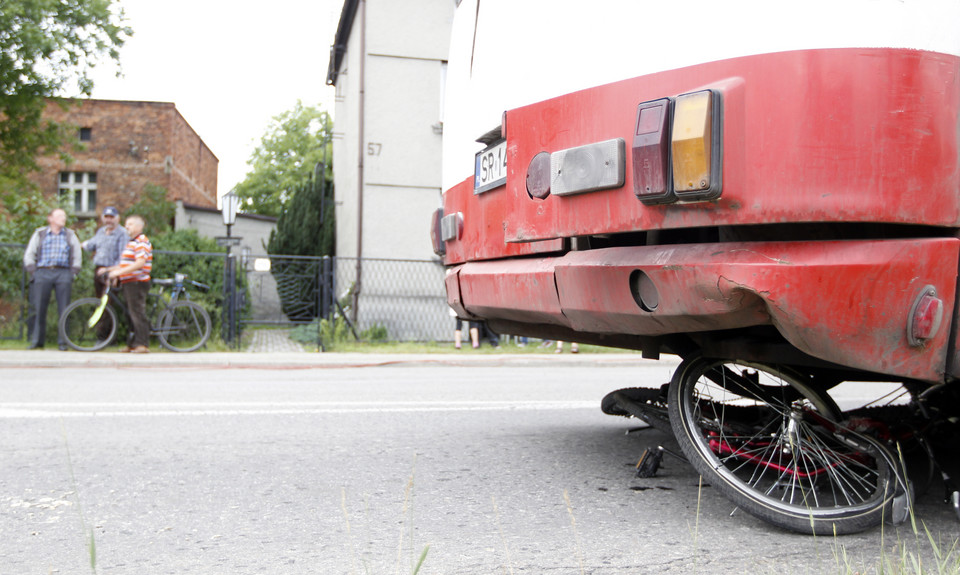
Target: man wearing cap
point(107, 245)
point(52, 259)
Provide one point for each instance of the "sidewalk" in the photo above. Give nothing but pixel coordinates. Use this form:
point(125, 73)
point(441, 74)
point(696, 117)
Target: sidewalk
point(273, 341)
point(10, 359)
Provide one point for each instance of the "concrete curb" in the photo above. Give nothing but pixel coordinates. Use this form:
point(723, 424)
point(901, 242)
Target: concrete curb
point(19, 359)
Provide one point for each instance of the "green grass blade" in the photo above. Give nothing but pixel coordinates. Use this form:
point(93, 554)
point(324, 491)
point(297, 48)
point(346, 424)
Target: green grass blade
point(423, 556)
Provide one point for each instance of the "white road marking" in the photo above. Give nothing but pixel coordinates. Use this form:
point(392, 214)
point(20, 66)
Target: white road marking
point(38, 410)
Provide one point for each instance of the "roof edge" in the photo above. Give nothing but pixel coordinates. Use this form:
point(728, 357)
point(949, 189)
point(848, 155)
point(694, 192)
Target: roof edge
point(339, 47)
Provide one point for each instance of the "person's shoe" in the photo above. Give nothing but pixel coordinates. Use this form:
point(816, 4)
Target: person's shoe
point(140, 349)
point(63, 347)
point(125, 349)
point(34, 346)
point(574, 348)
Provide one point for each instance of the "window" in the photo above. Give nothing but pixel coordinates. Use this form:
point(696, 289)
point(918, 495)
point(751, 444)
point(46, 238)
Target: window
point(86, 134)
point(79, 189)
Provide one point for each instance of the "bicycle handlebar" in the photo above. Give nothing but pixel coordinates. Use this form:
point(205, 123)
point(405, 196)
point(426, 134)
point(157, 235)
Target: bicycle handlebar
point(179, 280)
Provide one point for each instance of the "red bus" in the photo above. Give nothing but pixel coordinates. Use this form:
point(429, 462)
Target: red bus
point(770, 191)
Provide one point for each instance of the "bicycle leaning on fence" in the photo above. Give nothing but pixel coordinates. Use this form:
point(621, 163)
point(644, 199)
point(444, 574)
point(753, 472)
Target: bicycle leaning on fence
point(90, 324)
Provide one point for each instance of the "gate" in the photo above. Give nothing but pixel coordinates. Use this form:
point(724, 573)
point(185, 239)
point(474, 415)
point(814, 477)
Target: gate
point(284, 290)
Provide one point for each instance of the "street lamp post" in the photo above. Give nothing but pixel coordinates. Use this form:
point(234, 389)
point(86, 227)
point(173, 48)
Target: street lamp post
point(230, 203)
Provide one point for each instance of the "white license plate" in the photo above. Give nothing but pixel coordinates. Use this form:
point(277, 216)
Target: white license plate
point(490, 168)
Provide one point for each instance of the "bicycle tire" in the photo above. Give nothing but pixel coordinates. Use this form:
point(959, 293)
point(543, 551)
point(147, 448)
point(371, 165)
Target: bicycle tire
point(184, 327)
point(787, 463)
point(75, 330)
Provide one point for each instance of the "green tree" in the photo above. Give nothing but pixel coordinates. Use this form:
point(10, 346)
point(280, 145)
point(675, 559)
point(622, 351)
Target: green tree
point(156, 210)
point(295, 142)
point(47, 48)
point(306, 227)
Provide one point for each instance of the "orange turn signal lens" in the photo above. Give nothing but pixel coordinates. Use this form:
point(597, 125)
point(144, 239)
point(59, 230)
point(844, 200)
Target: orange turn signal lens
point(695, 146)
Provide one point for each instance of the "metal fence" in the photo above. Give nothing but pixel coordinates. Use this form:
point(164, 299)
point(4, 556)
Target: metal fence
point(403, 300)
point(406, 297)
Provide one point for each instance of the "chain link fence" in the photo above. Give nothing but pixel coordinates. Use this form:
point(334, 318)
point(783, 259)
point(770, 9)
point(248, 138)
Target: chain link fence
point(399, 300)
point(407, 298)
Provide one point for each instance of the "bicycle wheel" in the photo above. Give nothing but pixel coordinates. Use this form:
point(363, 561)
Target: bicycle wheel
point(76, 329)
point(184, 326)
point(770, 442)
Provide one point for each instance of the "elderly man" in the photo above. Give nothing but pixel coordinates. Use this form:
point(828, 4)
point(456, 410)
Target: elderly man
point(107, 245)
point(52, 259)
point(133, 272)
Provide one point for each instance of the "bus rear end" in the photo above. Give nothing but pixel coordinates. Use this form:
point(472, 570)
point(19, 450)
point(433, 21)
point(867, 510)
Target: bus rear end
point(770, 193)
point(766, 185)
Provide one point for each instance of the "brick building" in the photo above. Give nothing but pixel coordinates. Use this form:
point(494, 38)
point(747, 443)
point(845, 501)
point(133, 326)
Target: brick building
point(127, 145)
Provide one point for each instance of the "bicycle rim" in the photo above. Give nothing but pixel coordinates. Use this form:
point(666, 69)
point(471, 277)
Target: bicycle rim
point(778, 456)
point(88, 325)
point(184, 327)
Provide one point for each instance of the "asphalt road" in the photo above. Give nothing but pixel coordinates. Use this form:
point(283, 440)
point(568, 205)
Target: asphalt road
point(495, 467)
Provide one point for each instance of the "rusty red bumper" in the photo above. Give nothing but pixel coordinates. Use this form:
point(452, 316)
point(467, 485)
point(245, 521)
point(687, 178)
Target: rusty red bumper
point(848, 302)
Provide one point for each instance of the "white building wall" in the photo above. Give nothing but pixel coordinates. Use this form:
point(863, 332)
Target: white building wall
point(403, 67)
point(406, 46)
point(346, 147)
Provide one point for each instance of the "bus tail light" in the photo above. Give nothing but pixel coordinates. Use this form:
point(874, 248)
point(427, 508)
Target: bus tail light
point(439, 247)
point(445, 228)
point(677, 149)
point(651, 153)
point(695, 146)
point(926, 315)
point(451, 227)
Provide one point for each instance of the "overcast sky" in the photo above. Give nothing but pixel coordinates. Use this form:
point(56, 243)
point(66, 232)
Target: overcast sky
point(228, 66)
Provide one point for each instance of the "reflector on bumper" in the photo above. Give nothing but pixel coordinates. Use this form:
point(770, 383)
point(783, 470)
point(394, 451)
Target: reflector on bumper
point(588, 168)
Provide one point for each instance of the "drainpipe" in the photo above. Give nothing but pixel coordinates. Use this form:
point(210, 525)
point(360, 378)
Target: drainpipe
point(362, 139)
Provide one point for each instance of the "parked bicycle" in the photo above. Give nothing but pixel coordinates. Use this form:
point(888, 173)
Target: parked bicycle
point(90, 324)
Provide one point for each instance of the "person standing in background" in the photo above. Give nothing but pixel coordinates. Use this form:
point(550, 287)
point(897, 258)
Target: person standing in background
point(53, 259)
point(133, 272)
point(106, 245)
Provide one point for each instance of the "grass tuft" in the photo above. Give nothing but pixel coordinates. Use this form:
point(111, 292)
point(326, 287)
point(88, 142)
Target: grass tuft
point(576, 534)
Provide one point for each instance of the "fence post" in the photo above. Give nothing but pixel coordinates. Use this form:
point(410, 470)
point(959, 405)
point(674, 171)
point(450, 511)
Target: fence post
point(326, 288)
point(229, 281)
point(321, 299)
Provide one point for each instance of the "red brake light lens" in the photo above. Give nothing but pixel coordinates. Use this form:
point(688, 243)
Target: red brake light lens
point(651, 153)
